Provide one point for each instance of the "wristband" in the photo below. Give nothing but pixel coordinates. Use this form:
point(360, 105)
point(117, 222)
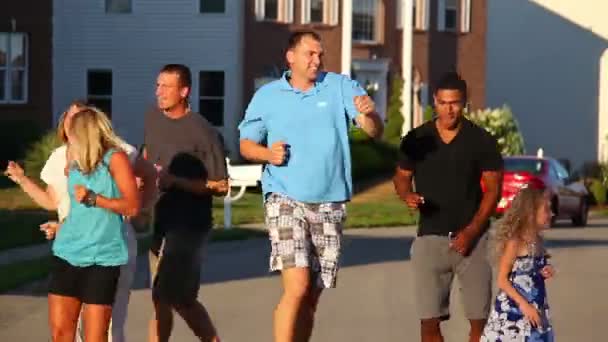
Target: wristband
point(90, 199)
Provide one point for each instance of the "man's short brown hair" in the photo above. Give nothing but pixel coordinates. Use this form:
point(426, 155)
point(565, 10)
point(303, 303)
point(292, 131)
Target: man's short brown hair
point(296, 37)
point(182, 72)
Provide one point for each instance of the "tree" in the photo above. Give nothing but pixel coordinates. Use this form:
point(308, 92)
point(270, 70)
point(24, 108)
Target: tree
point(501, 123)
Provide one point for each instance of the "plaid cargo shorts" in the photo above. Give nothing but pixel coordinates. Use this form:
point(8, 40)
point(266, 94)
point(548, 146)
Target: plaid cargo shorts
point(305, 235)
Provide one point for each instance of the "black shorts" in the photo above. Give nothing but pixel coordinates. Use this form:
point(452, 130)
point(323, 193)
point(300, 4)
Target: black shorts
point(176, 267)
point(91, 285)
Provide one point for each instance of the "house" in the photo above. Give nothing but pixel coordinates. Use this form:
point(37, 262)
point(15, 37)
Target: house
point(548, 60)
point(110, 52)
point(25, 62)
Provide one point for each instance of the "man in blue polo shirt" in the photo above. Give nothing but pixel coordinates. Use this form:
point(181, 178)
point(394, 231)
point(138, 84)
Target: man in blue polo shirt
point(298, 125)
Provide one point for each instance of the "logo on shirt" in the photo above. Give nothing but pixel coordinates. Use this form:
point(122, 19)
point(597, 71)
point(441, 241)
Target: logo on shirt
point(321, 104)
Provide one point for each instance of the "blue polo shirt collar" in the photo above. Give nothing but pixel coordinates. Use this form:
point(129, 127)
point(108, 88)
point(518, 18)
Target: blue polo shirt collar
point(285, 85)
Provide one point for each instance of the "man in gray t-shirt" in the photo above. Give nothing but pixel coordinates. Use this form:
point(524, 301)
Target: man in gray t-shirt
point(187, 147)
point(189, 157)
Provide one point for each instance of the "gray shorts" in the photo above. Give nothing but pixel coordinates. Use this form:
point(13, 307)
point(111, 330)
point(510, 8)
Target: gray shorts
point(435, 265)
point(305, 235)
point(176, 270)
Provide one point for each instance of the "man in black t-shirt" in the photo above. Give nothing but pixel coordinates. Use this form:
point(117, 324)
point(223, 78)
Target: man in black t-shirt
point(448, 158)
point(190, 160)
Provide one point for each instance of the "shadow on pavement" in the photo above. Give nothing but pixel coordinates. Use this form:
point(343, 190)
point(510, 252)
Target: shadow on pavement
point(246, 263)
point(242, 260)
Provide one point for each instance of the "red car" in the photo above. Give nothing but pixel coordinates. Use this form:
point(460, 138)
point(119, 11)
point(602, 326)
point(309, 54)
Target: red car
point(569, 199)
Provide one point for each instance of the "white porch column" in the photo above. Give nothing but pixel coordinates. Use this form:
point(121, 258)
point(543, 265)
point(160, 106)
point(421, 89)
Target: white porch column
point(407, 7)
point(602, 134)
point(347, 36)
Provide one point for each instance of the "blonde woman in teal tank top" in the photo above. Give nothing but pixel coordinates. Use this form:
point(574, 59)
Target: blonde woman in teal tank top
point(56, 198)
point(90, 246)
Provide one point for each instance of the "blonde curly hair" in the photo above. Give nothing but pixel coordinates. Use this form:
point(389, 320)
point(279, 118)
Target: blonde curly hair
point(520, 219)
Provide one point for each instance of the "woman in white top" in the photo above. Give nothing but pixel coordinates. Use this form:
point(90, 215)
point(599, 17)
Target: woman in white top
point(55, 197)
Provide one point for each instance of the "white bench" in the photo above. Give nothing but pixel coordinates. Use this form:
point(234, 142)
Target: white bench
point(239, 176)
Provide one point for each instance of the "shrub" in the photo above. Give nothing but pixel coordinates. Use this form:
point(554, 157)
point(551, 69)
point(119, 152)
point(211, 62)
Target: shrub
point(357, 134)
point(38, 153)
point(503, 126)
point(598, 190)
point(591, 169)
point(429, 113)
point(372, 158)
point(15, 137)
point(394, 125)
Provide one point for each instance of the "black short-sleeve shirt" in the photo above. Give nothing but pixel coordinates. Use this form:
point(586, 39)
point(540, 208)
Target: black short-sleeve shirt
point(448, 176)
point(188, 147)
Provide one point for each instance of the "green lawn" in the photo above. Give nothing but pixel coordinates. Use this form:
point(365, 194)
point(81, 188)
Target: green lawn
point(20, 227)
point(12, 198)
point(20, 218)
point(248, 209)
point(602, 212)
point(390, 212)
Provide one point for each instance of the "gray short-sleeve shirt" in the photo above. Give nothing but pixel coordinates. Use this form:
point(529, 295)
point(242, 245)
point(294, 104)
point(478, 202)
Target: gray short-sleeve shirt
point(188, 147)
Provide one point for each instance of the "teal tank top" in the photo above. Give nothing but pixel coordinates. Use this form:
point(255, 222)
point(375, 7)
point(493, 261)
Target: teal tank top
point(92, 236)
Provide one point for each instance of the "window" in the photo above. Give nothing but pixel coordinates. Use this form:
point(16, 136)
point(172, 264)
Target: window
point(211, 96)
point(320, 12)
point(271, 9)
point(365, 13)
point(274, 10)
point(212, 6)
point(13, 67)
point(414, 7)
point(553, 172)
point(448, 18)
point(420, 15)
point(118, 6)
point(316, 11)
point(533, 166)
point(99, 89)
point(451, 15)
point(562, 173)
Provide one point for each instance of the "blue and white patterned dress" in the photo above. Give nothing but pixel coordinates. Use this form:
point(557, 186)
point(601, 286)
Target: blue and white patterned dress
point(506, 322)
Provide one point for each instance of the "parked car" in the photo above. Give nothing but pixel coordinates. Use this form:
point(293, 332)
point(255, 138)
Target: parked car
point(569, 198)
